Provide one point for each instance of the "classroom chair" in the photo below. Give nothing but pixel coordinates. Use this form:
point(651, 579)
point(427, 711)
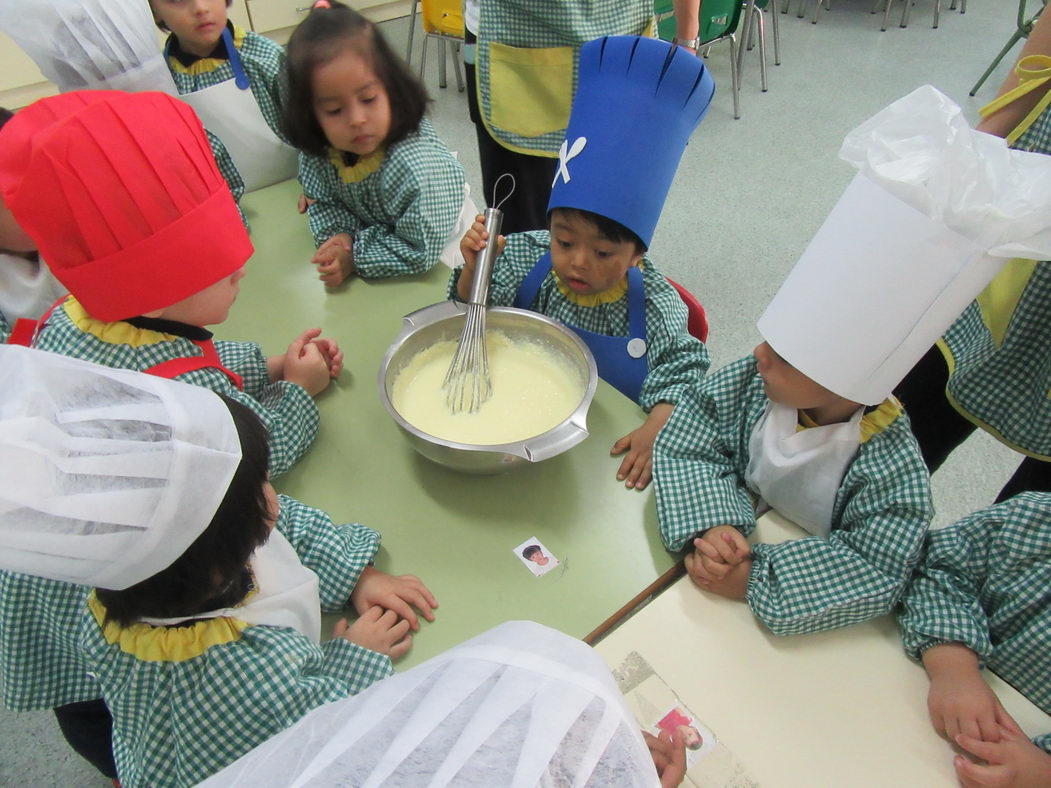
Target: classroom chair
point(719, 20)
point(886, 5)
point(802, 8)
point(1023, 26)
point(697, 320)
point(442, 20)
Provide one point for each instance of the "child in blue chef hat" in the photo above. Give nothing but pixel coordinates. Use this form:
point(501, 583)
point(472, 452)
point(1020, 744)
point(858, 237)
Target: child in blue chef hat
point(637, 103)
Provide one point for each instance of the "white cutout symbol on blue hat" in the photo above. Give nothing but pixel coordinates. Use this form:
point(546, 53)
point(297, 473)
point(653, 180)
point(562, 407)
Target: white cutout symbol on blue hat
point(564, 158)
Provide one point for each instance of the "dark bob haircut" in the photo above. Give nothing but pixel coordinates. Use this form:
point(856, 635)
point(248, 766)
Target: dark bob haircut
point(608, 228)
point(200, 578)
point(322, 36)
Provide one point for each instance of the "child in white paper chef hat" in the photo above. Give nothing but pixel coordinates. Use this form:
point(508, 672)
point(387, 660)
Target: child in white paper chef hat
point(202, 634)
point(808, 424)
point(519, 705)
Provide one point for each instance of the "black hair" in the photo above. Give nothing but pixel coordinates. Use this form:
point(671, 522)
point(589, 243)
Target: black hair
point(321, 37)
point(210, 573)
point(608, 228)
point(5, 115)
point(163, 27)
point(532, 550)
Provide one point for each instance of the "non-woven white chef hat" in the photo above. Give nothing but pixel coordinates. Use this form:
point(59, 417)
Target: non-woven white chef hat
point(106, 475)
point(935, 211)
point(519, 705)
point(90, 44)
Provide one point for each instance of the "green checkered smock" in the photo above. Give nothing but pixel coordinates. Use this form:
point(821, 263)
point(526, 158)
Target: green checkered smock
point(400, 213)
point(40, 664)
point(5, 329)
point(985, 582)
point(537, 30)
point(881, 511)
point(264, 62)
point(286, 409)
point(182, 715)
point(997, 350)
point(677, 360)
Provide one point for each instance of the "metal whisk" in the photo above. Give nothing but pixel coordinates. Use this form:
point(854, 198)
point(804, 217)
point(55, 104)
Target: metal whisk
point(467, 383)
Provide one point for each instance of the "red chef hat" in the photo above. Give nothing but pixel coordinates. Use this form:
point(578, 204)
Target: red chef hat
point(123, 198)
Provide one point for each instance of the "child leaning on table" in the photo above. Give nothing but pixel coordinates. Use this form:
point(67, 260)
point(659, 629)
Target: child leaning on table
point(203, 632)
point(982, 599)
point(150, 245)
point(234, 79)
point(386, 195)
point(590, 269)
point(808, 426)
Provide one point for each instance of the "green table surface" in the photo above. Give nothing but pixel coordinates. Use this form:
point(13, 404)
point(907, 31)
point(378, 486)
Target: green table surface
point(455, 531)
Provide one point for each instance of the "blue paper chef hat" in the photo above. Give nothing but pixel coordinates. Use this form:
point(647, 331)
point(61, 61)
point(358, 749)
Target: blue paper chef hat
point(637, 102)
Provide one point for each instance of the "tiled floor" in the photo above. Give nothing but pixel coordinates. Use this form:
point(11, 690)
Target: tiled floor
point(748, 196)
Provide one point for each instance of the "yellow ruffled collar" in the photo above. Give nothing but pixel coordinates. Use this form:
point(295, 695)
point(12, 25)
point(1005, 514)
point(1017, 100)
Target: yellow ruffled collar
point(116, 333)
point(167, 644)
point(366, 165)
point(615, 293)
point(872, 423)
point(206, 64)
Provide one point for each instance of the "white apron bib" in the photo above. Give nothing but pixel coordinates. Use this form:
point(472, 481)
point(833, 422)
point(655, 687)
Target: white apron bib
point(799, 473)
point(231, 113)
point(286, 593)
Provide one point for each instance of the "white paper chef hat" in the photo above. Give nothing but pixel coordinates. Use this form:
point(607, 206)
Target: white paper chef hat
point(519, 705)
point(106, 475)
point(933, 214)
point(90, 44)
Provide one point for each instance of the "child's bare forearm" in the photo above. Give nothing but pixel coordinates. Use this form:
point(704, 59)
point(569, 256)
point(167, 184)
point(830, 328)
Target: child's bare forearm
point(950, 659)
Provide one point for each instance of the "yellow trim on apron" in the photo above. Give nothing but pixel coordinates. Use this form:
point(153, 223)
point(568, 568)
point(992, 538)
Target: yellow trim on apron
point(951, 363)
point(1033, 71)
point(998, 301)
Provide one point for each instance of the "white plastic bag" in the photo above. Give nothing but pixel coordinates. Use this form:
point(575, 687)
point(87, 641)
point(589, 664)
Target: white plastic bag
point(922, 150)
point(90, 44)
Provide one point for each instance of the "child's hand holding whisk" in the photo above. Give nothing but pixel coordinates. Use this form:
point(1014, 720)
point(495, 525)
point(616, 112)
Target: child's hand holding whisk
point(471, 244)
point(335, 259)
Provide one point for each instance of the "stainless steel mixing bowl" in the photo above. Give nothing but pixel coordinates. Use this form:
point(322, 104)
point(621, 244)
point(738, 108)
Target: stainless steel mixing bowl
point(444, 321)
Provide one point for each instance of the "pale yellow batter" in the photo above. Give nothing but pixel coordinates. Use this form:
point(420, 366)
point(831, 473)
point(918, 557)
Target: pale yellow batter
point(534, 389)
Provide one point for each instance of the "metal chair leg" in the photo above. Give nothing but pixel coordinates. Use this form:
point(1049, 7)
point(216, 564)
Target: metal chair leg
point(457, 62)
point(745, 20)
point(784, 7)
point(442, 76)
point(817, 11)
point(886, 15)
point(1015, 38)
point(761, 26)
point(905, 13)
point(423, 56)
point(735, 77)
point(412, 32)
point(937, 12)
point(777, 31)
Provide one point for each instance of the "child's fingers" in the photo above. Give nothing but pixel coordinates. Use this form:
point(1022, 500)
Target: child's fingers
point(621, 445)
point(341, 626)
point(727, 554)
point(708, 549)
point(420, 602)
point(398, 605)
point(401, 648)
point(1008, 722)
point(421, 587)
point(716, 569)
point(643, 474)
point(737, 542)
point(626, 466)
point(972, 775)
point(986, 750)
